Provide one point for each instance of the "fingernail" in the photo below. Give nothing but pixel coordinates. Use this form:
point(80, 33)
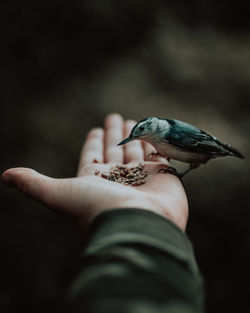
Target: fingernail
point(8, 180)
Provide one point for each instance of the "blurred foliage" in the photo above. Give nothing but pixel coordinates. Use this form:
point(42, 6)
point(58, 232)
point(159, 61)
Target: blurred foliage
point(64, 66)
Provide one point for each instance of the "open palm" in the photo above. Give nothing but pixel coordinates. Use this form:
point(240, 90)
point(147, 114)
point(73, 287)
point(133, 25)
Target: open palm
point(83, 197)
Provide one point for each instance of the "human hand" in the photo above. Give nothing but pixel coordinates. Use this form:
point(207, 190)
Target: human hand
point(83, 197)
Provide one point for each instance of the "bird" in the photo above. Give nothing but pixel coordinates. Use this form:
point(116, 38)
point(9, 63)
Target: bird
point(181, 141)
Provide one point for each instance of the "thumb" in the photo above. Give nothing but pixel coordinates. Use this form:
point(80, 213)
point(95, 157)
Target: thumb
point(37, 186)
point(61, 195)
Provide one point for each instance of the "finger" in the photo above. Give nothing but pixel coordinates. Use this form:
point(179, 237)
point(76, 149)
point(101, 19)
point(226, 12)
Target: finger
point(30, 182)
point(113, 135)
point(133, 151)
point(149, 150)
point(92, 150)
point(60, 195)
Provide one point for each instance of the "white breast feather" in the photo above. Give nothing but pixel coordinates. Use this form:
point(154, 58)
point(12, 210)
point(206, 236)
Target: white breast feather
point(176, 153)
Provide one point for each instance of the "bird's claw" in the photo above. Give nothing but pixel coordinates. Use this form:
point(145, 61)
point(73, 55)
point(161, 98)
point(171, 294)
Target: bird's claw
point(170, 170)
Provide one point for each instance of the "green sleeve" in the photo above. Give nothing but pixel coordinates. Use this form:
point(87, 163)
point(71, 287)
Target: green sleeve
point(136, 261)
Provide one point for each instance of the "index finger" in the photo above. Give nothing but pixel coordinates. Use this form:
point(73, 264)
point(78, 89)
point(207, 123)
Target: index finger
point(92, 150)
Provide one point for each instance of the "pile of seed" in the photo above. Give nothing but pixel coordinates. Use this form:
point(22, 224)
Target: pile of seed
point(134, 176)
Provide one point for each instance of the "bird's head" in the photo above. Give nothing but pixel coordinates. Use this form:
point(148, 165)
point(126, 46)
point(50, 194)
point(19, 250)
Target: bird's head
point(143, 130)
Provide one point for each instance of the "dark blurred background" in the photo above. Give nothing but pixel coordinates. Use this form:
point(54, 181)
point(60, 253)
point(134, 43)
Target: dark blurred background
point(64, 66)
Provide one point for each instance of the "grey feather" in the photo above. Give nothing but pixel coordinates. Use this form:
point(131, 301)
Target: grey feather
point(193, 139)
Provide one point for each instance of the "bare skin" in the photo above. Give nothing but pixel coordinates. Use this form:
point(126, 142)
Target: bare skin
point(82, 197)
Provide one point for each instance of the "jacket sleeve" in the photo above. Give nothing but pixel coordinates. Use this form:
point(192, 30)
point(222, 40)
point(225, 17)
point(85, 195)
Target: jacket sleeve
point(136, 261)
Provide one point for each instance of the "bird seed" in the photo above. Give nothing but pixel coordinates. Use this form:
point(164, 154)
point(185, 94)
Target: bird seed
point(134, 176)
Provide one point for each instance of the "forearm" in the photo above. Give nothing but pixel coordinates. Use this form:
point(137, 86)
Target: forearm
point(137, 261)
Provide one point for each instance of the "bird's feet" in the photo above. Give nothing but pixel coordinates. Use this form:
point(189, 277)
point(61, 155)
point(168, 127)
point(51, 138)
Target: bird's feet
point(170, 170)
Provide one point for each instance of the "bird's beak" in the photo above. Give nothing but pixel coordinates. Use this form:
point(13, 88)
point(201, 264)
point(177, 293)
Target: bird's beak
point(125, 141)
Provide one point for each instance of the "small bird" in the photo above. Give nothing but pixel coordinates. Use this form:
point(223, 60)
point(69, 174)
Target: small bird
point(180, 141)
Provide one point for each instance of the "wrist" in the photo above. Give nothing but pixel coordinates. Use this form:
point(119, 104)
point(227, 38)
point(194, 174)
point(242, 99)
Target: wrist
point(177, 215)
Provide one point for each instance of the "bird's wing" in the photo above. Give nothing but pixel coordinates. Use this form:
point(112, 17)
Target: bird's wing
point(193, 139)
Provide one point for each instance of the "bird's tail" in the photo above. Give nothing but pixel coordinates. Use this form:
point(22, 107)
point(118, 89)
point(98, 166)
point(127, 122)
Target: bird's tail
point(233, 151)
point(236, 153)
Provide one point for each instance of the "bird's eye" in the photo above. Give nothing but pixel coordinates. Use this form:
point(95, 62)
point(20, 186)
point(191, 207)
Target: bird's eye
point(142, 127)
